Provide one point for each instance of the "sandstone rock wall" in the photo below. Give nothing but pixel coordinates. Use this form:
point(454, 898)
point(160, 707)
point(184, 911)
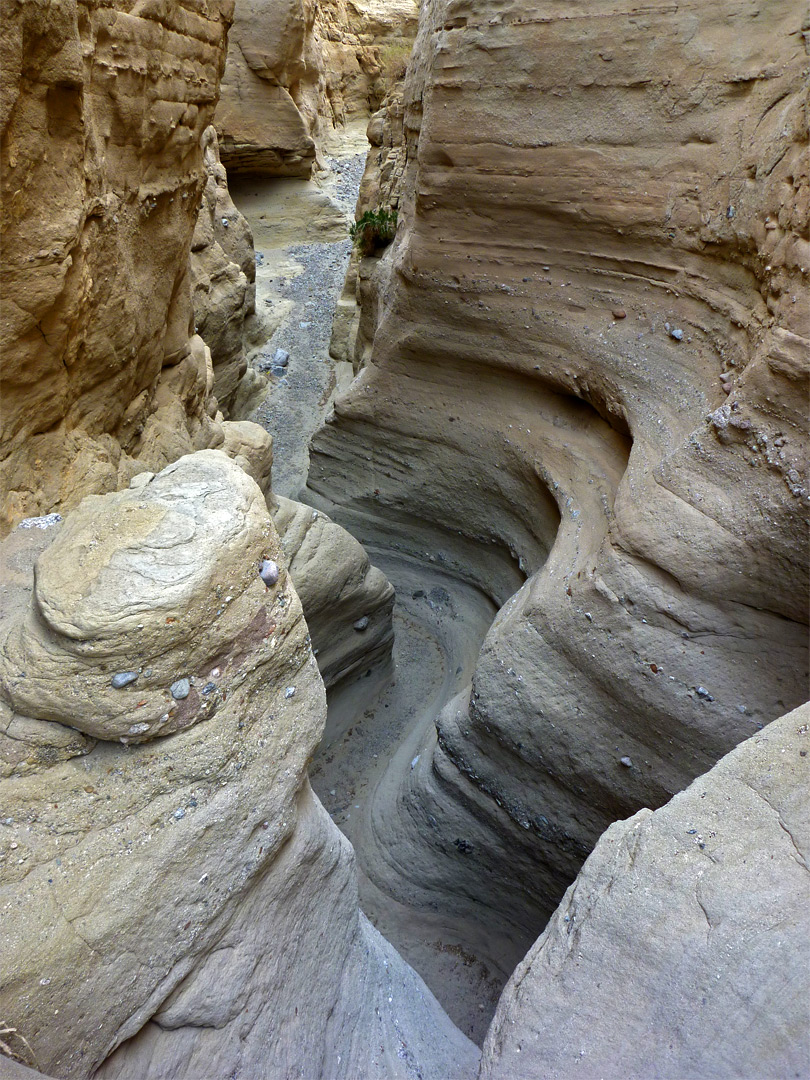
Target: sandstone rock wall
point(104, 109)
point(297, 68)
point(223, 279)
point(588, 347)
point(683, 947)
point(171, 893)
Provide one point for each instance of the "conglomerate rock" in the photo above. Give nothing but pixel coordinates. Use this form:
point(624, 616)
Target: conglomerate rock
point(181, 901)
point(103, 112)
point(347, 602)
point(587, 350)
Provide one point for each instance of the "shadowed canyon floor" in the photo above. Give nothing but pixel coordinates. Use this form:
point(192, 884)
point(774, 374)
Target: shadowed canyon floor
point(381, 724)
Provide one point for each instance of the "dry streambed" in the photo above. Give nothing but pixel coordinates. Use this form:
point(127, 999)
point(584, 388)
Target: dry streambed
point(381, 725)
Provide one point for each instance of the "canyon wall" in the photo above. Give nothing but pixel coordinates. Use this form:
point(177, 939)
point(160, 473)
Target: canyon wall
point(682, 949)
point(223, 278)
point(585, 354)
point(173, 900)
point(103, 114)
point(296, 69)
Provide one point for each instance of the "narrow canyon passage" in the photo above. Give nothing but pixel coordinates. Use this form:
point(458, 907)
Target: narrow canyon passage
point(300, 234)
point(403, 627)
point(381, 723)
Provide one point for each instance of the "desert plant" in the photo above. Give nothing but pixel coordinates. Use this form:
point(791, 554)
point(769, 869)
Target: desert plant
point(394, 57)
point(374, 230)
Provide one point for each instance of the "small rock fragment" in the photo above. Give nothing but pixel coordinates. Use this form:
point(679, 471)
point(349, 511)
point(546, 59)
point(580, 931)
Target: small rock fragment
point(123, 678)
point(180, 689)
point(361, 624)
point(676, 333)
point(619, 313)
point(141, 480)
point(179, 813)
point(627, 762)
point(269, 572)
point(281, 357)
point(701, 691)
point(288, 693)
point(138, 729)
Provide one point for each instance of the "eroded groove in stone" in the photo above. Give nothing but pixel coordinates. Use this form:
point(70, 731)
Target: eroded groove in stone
point(595, 299)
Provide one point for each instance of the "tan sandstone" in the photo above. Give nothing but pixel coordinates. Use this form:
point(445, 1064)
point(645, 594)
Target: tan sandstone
point(181, 901)
point(643, 480)
point(104, 110)
point(296, 69)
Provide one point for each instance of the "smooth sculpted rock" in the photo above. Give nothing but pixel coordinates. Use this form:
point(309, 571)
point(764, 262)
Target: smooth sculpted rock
point(682, 949)
point(646, 474)
point(174, 902)
point(340, 591)
point(141, 591)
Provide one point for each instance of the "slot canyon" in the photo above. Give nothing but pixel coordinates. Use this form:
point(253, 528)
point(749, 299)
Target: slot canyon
point(404, 560)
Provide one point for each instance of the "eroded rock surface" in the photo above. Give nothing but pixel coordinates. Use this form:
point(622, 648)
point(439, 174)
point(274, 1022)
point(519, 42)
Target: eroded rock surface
point(182, 897)
point(682, 949)
point(223, 280)
point(587, 347)
point(347, 601)
point(103, 111)
point(297, 68)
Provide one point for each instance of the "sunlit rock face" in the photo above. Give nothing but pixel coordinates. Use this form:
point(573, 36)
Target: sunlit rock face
point(586, 346)
point(297, 69)
point(103, 113)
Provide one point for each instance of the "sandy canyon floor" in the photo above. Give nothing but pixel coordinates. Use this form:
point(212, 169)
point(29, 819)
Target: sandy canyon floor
point(382, 723)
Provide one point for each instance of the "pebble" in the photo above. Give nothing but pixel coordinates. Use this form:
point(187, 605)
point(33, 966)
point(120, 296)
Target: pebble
point(288, 693)
point(701, 691)
point(209, 688)
point(180, 689)
point(269, 572)
point(179, 813)
point(138, 729)
point(619, 313)
point(627, 762)
point(123, 678)
point(361, 624)
point(281, 357)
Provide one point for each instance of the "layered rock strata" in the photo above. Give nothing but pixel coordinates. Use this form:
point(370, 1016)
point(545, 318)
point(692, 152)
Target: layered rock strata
point(174, 900)
point(103, 113)
point(347, 601)
point(223, 280)
point(589, 350)
point(296, 69)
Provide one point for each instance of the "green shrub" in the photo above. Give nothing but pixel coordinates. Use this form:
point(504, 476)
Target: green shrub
point(394, 57)
point(374, 230)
